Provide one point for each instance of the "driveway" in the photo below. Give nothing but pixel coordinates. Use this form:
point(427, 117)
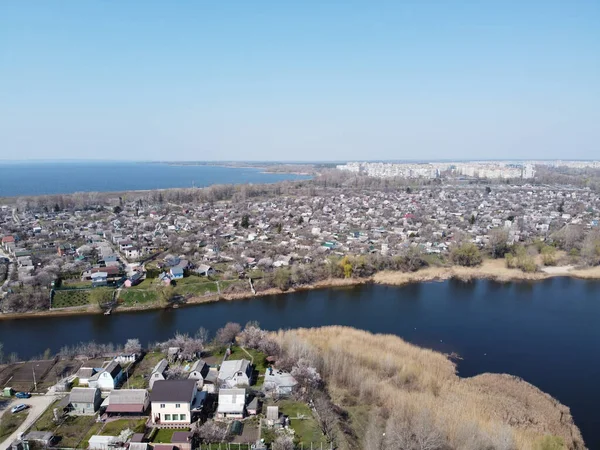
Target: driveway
point(38, 404)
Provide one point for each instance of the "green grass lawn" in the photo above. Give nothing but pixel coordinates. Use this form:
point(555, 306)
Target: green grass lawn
point(10, 422)
point(306, 430)
point(115, 428)
point(195, 286)
point(143, 367)
point(133, 296)
point(68, 298)
point(164, 435)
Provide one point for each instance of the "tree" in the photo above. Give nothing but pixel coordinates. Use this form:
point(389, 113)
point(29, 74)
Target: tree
point(245, 221)
point(498, 242)
point(283, 442)
point(548, 255)
point(282, 278)
point(228, 333)
point(210, 431)
point(590, 249)
point(132, 346)
point(306, 375)
point(466, 254)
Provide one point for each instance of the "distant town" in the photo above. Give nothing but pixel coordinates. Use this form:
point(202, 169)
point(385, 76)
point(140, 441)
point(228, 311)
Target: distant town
point(106, 252)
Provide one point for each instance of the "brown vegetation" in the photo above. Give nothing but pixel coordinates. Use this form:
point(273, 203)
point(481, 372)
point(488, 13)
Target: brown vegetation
point(416, 398)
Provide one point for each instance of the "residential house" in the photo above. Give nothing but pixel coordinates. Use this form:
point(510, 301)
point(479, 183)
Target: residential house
point(44, 439)
point(204, 270)
point(171, 403)
point(84, 401)
point(84, 374)
point(8, 242)
point(127, 402)
point(199, 371)
point(234, 373)
point(158, 373)
point(279, 382)
point(176, 273)
point(99, 279)
point(231, 403)
point(109, 378)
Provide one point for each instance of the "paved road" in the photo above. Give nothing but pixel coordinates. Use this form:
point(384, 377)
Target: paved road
point(38, 405)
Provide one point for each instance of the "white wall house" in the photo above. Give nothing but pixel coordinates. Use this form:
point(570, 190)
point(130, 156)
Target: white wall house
point(231, 403)
point(171, 403)
point(235, 373)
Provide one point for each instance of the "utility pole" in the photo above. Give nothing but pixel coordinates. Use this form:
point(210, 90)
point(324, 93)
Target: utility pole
point(34, 381)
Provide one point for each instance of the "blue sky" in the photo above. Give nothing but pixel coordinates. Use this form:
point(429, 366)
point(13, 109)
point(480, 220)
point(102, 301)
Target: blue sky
point(305, 80)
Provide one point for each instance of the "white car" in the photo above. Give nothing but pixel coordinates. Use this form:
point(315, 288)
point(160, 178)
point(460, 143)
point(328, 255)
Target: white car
point(19, 408)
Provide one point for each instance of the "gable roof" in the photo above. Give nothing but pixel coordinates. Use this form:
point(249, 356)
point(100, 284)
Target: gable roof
point(173, 391)
point(127, 396)
point(161, 366)
point(231, 400)
point(82, 395)
point(114, 368)
point(233, 366)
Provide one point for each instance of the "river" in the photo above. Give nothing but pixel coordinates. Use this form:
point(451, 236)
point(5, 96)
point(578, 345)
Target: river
point(545, 332)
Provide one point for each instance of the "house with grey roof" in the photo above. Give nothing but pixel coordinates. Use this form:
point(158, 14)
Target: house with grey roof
point(234, 373)
point(158, 373)
point(127, 402)
point(84, 401)
point(232, 403)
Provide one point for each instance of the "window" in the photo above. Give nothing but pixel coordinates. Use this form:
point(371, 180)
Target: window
point(182, 417)
point(167, 416)
point(177, 405)
point(162, 405)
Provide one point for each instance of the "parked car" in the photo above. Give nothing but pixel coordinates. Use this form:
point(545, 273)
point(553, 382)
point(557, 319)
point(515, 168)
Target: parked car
point(22, 395)
point(19, 408)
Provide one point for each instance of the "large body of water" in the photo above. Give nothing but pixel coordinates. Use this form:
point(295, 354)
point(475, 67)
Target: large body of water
point(545, 332)
point(64, 178)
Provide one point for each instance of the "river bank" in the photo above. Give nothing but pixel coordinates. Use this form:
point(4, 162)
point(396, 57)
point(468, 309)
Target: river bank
point(490, 269)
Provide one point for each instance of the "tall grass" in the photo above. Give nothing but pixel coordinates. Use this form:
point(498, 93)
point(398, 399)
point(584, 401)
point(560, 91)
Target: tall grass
point(393, 377)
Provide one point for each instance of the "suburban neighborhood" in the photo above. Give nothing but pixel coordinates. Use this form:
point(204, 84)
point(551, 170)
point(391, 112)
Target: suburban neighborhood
point(236, 389)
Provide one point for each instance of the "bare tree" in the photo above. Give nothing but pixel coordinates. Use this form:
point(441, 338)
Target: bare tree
point(327, 417)
point(132, 346)
point(228, 333)
point(283, 442)
point(210, 431)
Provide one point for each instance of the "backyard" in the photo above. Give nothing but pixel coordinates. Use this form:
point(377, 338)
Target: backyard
point(139, 376)
point(72, 431)
point(302, 421)
point(65, 298)
point(164, 435)
point(115, 427)
point(10, 422)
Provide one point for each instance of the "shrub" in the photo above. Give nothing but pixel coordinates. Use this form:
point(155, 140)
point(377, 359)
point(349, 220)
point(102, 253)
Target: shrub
point(466, 254)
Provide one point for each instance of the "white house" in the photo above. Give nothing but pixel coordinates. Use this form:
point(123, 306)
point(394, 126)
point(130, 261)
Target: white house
point(109, 378)
point(199, 372)
point(171, 403)
point(158, 374)
point(234, 373)
point(231, 403)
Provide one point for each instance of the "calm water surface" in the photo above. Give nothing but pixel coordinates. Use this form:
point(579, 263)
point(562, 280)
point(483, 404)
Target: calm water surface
point(63, 178)
point(545, 332)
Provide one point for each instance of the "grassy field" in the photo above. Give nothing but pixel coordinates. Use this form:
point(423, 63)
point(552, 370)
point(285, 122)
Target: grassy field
point(134, 296)
point(10, 422)
point(115, 427)
point(307, 429)
point(195, 286)
point(164, 435)
point(144, 367)
point(74, 432)
point(68, 298)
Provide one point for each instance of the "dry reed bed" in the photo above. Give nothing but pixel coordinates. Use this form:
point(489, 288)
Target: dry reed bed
point(389, 374)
